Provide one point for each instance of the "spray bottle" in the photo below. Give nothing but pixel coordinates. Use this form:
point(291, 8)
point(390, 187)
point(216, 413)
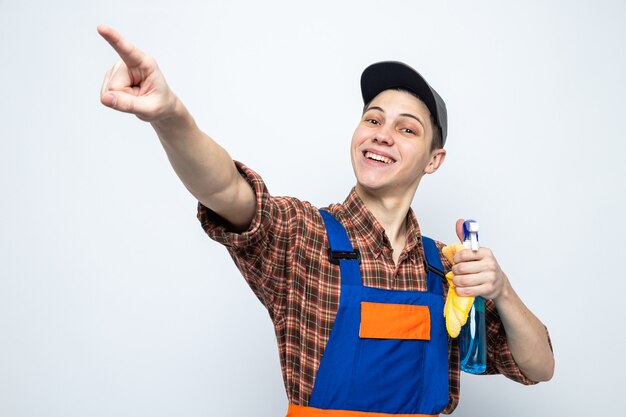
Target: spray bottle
point(473, 338)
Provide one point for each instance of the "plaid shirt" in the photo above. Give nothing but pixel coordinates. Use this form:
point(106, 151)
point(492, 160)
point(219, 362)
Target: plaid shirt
point(283, 257)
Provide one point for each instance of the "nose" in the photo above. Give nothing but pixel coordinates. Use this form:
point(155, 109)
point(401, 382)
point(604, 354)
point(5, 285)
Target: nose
point(384, 135)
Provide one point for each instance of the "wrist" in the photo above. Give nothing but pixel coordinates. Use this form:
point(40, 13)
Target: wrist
point(506, 293)
point(175, 119)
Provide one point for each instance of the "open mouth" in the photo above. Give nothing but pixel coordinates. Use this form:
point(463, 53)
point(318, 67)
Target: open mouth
point(375, 157)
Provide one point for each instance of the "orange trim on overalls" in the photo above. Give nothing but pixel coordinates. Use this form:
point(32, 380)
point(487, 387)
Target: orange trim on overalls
point(394, 321)
point(300, 411)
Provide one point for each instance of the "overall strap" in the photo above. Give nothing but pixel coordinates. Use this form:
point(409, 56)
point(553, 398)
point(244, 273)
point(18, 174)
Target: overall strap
point(341, 251)
point(434, 267)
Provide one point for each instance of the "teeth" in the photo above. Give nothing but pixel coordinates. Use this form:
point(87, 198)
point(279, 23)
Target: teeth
point(376, 157)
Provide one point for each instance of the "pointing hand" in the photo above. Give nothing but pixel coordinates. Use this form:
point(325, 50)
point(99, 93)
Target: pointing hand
point(135, 84)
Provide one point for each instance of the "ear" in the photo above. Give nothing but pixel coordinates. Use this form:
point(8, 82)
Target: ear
point(436, 159)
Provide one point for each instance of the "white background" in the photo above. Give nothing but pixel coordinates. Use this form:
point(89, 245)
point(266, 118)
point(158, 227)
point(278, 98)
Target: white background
point(113, 302)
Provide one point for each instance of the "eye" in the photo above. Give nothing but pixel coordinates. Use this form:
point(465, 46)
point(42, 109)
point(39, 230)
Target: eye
point(372, 121)
point(409, 131)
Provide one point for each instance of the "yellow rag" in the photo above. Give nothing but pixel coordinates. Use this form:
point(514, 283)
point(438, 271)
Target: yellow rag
point(457, 308)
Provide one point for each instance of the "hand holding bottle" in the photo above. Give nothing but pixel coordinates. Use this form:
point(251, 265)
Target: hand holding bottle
point(477, 272)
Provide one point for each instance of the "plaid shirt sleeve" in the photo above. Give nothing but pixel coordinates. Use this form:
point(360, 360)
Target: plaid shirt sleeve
point(260, 252)
point(282, 257)
point(499, 357)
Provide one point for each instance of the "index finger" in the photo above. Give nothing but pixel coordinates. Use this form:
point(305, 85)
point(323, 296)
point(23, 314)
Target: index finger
point(131, 56)
point(469, 255)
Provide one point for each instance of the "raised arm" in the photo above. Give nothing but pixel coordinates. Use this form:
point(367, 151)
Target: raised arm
point(136, 85)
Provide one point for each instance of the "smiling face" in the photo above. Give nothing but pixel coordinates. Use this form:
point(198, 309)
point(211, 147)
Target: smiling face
point(391, 146)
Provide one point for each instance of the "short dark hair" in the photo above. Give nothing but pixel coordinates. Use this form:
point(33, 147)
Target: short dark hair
point(437, 142)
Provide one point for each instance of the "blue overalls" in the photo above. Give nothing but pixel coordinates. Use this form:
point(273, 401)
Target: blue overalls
point(387, 353)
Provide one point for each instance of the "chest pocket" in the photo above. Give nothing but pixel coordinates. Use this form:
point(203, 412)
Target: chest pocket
point(394, 321)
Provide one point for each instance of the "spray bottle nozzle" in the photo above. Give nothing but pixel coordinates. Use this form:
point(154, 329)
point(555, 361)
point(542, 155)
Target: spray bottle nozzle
point(470, 234)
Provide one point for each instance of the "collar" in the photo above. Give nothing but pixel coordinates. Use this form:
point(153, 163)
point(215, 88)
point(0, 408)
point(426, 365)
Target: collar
point(370, 232)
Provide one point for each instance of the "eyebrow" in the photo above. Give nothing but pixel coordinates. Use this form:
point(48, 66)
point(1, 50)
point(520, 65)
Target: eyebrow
point(401, 114)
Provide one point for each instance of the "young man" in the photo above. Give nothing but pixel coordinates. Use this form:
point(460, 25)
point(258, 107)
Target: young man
point(357, 315)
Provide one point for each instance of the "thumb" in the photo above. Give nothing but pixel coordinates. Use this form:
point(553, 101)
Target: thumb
point(459, 229)
point(123, 102)
point(108, 99)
